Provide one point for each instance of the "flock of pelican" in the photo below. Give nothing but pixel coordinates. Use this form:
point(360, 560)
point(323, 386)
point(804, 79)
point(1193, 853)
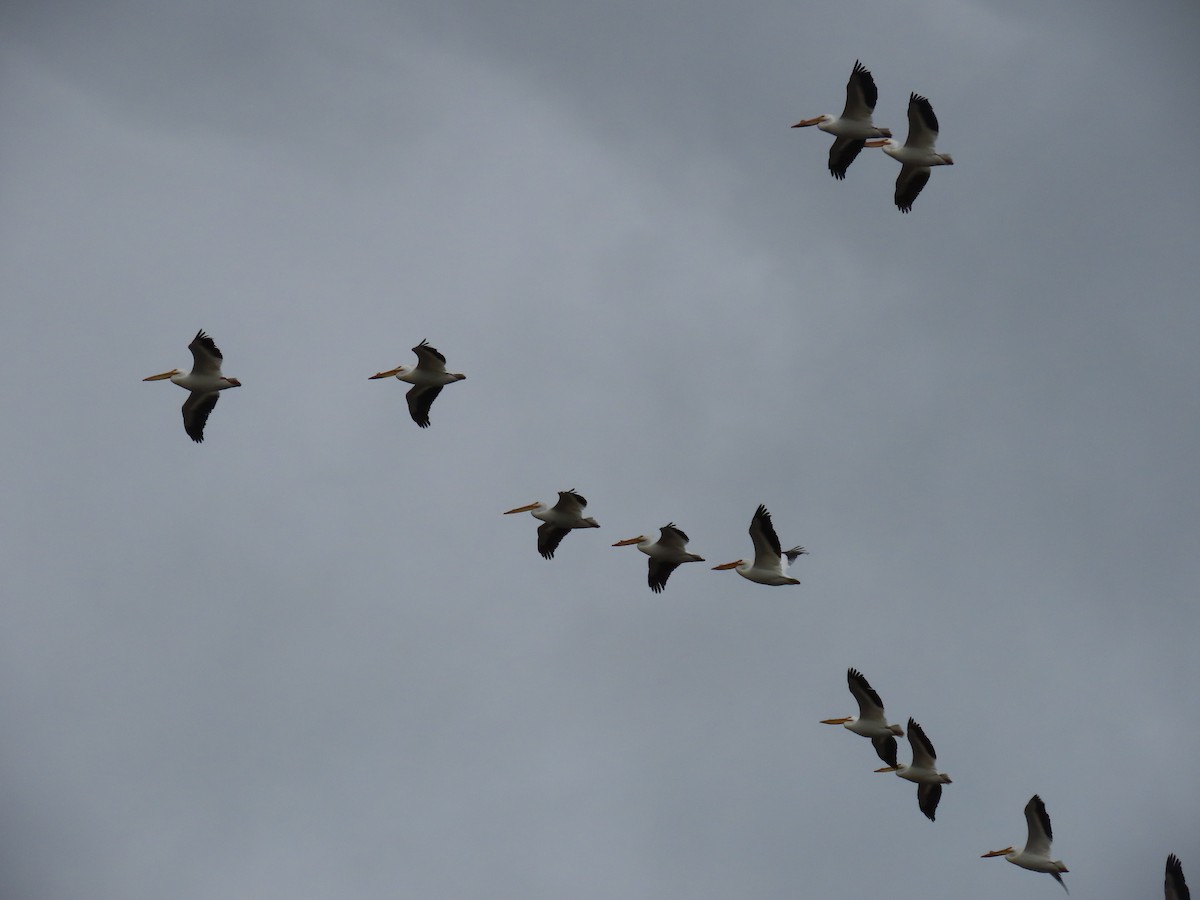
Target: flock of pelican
point(854, 130)
point(669, 551)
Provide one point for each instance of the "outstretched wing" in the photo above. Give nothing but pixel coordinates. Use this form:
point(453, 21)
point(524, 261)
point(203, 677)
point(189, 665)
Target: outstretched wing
point(549, 537)
point(928, 798)
point(196, 409)
point(420, 398)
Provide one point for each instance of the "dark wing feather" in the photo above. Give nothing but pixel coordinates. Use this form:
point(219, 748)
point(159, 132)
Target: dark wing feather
point(857, 679)
point(549, 537)
point(423, 349)
point(1174, 887)
point(203, 340)
point(196, 409)
point(660, 571)
point(843, 152)
point(928, 798)
point(885, 747)
point(919, 106)
point(908, 188)
point(916, 735)
point(762, 519)
point(1039, 810)
point(420, 398)
point(866, 83)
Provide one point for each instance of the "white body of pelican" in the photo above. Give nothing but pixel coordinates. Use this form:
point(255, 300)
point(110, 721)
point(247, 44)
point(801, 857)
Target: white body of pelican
point(854, 126)
point(1174, 887)
point(666, 554)
point(768, 566)
point(917, 154)
point(1035, 855)
point(871, 722)
point(560, 518)
point(428, 377)
point(923, 770)
point(204, 381)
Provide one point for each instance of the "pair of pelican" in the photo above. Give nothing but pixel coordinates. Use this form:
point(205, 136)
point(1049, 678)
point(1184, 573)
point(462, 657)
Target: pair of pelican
point(669, 551)
point(205, 380)
point(854, 129)
point(871, 723)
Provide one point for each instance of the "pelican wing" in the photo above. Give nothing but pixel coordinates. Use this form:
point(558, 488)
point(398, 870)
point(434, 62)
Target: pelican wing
point(1174, 887)
point(428, 358)
point(928, 798)
point(570, 504)
point(869, 704)
point(909, 183)
point(861, 94)
point(549, 537)
point(196, 409)
point(420, 398)
point(885, 749)
point(1040, 833)
point(924, 756)
point(922, 123)
point(670, 536)
point(660, 571)
point(843, 152)
point(206, 358)
point(767, 551)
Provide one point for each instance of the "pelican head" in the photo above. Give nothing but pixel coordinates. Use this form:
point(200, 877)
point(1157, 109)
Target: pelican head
point(163, 375)
point(729, 565)
point(630, 541)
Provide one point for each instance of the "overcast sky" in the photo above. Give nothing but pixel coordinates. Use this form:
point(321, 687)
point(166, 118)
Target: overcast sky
point(310, 657)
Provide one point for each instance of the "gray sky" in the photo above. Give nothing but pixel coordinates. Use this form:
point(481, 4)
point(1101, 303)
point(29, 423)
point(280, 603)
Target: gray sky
point(310, 658)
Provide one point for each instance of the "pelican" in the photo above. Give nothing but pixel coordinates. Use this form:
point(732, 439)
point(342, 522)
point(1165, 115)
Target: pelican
point(870, 722)
point(429, 376)
point(204, 381)
point(560, 518)
point(768, 566)
point(1035, 855)
point(923, 771)
point(1174, 887)
point(852, 128)
point(666, 554)
point(917, 154)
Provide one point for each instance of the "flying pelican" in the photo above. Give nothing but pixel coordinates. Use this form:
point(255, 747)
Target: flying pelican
point(1035, 855)
point(203, 381)
point(1174, 887)
point(923, 771)
point(666, 554)
point(768, 567)
point(870, 722)
point(917, 154)
point(852, 128)
point(429, 376)
point(560, 518)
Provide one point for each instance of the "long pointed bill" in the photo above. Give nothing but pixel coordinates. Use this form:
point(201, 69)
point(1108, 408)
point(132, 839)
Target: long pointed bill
point(804, 123)
point(875, 144)
point(526, 508)
point(387, 374)
point(991, 853)
point(841, 721)
point(628, 541)
point(162, 376)
point(889, 769)
point(736, 562)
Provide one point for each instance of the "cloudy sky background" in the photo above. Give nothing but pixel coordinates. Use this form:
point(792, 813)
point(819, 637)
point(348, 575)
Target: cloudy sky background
point(309, 658)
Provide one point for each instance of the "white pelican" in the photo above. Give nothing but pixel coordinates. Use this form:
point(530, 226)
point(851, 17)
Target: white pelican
point(1035, 855)
point(429, 376)
point(768, 566)
point(917, 154)
point(852, 128)
point(923, 771)
point(870, 722)
point(666, 554)
point(560, 518)
point(1174, 887)
point(203, 381)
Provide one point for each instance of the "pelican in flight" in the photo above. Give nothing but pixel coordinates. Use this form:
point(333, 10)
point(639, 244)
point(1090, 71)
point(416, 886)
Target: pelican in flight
point(1174, 887)
point(666, 554)
point(560, 518)
point(428, 377)
point(768, 566)
point(917, 154)
point(923, 771)
point(870, 722)
point(854, 126)
point(204, 381)
point(1035, 855)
